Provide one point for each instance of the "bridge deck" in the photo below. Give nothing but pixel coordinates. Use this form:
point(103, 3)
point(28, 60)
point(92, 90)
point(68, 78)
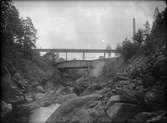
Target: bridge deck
point(77, 50)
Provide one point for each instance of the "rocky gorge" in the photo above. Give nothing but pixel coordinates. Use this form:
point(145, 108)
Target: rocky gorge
point(129, 88)
point(114, 97)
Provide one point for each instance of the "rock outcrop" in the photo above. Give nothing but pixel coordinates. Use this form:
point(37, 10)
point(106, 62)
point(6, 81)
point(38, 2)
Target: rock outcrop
point(149, 117)
point(120, 108)
point(80, 109)
point(5, 108)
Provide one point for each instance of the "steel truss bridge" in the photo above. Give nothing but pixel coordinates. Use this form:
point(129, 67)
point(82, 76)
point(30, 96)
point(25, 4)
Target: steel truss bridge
point(70, 64)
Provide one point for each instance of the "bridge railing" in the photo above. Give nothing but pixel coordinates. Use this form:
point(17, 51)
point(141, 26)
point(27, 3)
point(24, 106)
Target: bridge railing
point(83, 51)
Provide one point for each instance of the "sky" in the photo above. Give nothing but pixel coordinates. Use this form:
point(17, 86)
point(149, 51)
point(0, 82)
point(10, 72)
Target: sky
point(86, 24)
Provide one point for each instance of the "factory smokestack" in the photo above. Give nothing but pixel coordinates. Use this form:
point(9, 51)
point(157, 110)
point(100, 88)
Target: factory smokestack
point(134, 27)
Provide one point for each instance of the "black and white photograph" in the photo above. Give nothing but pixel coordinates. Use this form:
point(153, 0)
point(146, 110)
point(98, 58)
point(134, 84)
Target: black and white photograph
point(83, 61)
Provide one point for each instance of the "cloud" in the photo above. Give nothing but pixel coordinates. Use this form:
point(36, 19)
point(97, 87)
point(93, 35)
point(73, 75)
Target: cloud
point(85, 24)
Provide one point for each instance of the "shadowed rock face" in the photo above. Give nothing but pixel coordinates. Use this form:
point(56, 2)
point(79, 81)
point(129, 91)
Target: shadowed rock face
point(77, 109)
point(6, 108)
point(120, 108)
point(120, 112)
point(149, 117)
point(89, 109)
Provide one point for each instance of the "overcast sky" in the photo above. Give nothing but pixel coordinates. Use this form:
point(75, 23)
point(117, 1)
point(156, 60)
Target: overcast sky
point(94, 24)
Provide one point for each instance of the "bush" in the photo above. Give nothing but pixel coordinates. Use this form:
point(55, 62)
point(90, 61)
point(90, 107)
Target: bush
point(128, 49)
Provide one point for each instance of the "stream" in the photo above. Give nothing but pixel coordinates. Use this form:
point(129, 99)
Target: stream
point(40, 115)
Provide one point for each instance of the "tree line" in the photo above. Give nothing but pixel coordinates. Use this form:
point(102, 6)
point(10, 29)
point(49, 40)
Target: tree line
point(18, 34)
point(147, 40)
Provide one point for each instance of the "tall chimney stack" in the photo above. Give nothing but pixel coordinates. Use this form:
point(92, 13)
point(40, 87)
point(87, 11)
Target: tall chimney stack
point(134, 27)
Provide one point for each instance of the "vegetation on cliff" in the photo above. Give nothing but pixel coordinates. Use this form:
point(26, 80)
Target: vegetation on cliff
point(131, 88)
point(24, 72)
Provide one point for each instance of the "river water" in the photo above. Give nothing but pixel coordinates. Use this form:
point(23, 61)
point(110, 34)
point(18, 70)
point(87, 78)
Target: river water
point(41, 114)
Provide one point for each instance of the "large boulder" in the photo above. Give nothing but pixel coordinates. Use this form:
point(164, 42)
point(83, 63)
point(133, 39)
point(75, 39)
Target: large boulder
point(149, 117)
point(29, 97)
point(66, 90)
point(120, 77)
point(80, 109)
point(39, 95)
point(11, 91)
point(64, 98)
point(121, 112)
point(5, 108)
point(129, 88)
point(120, 108)
point(155, 99)
point(118, 98)
point(40, 89)
point(94, 88)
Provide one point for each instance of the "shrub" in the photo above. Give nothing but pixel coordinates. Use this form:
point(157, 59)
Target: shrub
point(128, 49)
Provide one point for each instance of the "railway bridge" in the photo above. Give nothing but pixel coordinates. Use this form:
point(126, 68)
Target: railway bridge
point(77, 64)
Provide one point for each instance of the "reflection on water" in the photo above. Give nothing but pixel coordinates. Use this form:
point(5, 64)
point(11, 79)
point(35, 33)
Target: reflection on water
point(41, 114)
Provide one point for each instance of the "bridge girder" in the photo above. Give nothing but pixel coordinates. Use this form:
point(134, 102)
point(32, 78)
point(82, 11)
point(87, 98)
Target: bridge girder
point(83, 51)
point(78, 50)
point(73, 64)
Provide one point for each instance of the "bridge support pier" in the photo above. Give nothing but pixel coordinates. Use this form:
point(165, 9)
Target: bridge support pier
point(83, 57)
point(66, 56)
point(104, 55)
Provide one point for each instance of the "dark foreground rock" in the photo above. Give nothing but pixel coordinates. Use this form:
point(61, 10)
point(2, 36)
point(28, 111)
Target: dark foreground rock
point(5, 108)
point(120, 108)
point(90, 109)
point(149, 117)
point(81, 109)
point(121, 112)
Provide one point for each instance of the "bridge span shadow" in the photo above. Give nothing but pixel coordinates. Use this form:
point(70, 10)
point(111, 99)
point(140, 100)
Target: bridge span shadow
point(79, 64)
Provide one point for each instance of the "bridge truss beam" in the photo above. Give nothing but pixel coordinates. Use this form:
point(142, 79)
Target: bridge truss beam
point(84, 51)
